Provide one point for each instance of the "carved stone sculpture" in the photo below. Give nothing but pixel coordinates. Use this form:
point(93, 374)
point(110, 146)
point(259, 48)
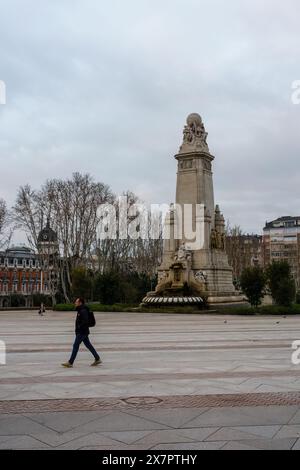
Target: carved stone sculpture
point(194, 133)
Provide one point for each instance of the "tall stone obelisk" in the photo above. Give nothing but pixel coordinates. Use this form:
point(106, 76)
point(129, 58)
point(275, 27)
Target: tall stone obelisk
point(194, 263)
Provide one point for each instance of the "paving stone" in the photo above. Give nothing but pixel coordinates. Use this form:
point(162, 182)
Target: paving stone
point(162, 437)
point(112, 447)
point(197, 434)
point(247, 416)
point(118, 421)
point(18, 425)
point(127, 437)
point(65, 421)
point(56, 439)
point(261, 431)
point(23, 443)
point(234, 445)
point(296, 418)
point(190, 446)
point(92, 439)
point(230, 434)
point(174, 418)
point(272, 444)
point(296, 446)
point(289, 430)
point(178, 357)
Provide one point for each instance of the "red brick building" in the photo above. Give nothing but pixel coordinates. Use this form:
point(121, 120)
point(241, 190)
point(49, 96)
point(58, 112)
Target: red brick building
point(24, 273)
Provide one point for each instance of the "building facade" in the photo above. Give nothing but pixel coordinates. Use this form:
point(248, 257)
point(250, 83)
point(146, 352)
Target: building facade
point(244, 251)
point(281, 242)
point(24, 273)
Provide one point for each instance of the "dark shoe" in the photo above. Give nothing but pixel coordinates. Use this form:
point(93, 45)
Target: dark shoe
point(96, 363)
point(67, 364)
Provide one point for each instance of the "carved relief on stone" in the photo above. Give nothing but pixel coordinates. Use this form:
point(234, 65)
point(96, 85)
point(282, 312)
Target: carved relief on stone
point(200, 276)
point(186, 164)
point(199, 282)
point(206, 165)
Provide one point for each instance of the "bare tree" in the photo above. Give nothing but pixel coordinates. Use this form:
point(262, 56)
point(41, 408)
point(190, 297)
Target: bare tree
point(71, 207)
point(243, 250)
point(142, 253)
point(5, 228)
point(28, 214)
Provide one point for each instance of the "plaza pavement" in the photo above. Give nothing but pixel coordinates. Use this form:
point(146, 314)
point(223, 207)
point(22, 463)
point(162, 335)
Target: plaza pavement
point(168, 381)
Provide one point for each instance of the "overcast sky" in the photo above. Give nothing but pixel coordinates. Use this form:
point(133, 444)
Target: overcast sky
point(105, 87)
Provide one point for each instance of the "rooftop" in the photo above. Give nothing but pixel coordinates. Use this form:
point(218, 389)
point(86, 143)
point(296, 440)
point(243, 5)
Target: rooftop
point(281, 221)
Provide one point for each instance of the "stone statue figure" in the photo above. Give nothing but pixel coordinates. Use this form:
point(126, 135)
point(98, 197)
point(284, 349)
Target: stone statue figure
point(213, 239)
point(222, 241)
point(194, 135)
point(182, 253)
point(194, 129)
point(219, 240)
point(163, 283)
point(162, 276)
point(187, 135)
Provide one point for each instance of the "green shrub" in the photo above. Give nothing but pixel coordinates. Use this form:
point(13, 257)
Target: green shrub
point(81, 283)
point(17, 300)
point(280, 309)
point(96, 307)
point(63, 307)
point(263, 310)
point(114, 287)
point(281, 283)
point(253, 281)
point(39, 299)
point(188, 309)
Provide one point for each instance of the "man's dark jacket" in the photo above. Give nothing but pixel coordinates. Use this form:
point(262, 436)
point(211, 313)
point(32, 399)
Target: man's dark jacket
point(82, 320)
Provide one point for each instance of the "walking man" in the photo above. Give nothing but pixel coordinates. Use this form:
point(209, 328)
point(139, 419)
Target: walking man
point(82, 334)
point(42, 309)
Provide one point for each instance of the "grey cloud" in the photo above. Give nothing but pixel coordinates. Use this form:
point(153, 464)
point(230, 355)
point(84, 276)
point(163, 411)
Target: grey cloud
point(105, 87)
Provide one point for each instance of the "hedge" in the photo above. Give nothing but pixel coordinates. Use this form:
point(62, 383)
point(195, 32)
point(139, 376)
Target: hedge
point(96, 307)
point(243, 310)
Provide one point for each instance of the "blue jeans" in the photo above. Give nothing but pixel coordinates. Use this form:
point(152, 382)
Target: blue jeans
point(85, 340)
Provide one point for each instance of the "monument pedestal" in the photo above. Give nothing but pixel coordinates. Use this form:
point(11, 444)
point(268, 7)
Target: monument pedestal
point(194, 265)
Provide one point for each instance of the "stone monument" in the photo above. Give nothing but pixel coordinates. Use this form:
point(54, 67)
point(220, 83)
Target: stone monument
point(194, 268)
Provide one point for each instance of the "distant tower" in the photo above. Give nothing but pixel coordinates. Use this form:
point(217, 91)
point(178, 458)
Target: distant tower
point(47, 240)
point(196, 267)
point(48, 250)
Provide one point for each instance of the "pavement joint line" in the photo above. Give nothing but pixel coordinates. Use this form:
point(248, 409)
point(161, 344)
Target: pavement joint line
point(50, 378)
point(293, 416)
point(158, 348)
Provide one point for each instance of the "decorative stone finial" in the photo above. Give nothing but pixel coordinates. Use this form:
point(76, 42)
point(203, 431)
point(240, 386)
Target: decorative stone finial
point(194, 135)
